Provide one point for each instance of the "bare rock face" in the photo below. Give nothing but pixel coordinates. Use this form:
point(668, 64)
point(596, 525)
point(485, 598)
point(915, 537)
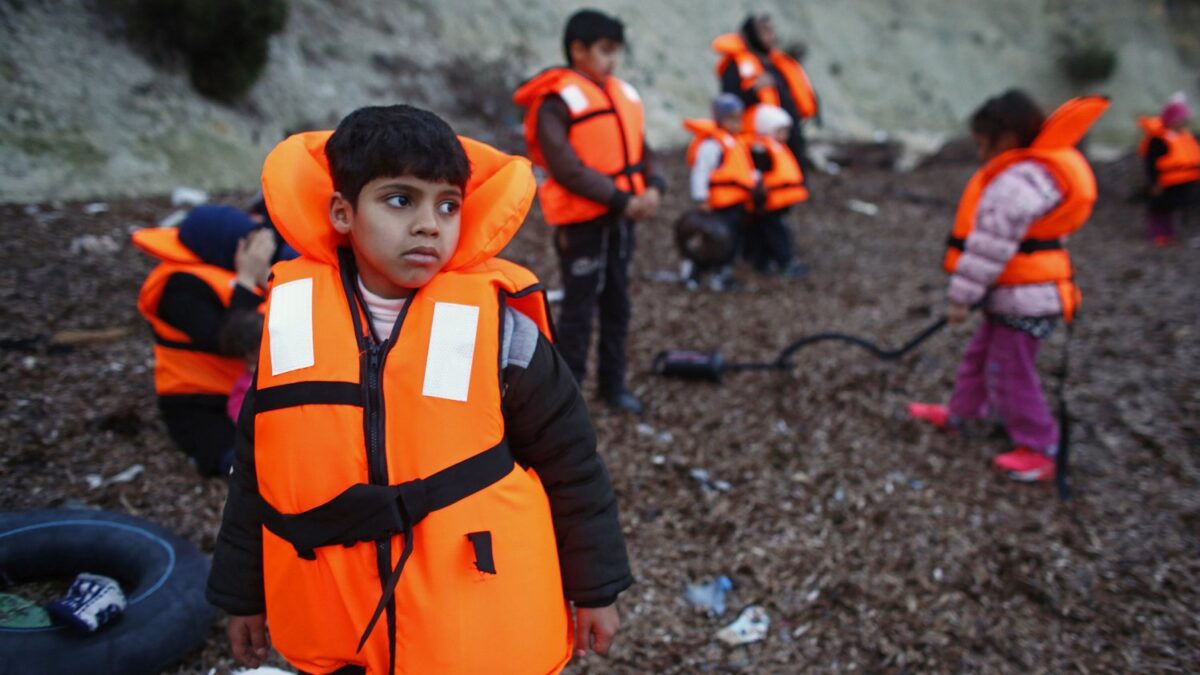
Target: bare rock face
point(85, 115)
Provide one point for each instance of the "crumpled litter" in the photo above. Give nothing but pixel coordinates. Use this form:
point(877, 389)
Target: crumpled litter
point(750, 626)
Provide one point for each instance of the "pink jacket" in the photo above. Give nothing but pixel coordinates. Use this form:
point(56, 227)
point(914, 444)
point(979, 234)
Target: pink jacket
point(1011, 203)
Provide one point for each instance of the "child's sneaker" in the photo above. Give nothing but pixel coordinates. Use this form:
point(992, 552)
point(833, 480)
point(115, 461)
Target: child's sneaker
point(936, 414)
point(1025, 465)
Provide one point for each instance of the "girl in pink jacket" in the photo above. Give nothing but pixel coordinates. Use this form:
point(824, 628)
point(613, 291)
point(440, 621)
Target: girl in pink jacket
point(998, 373)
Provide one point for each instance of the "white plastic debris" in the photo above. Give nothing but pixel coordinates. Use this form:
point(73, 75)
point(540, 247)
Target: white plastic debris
point(95, 245)
point(173, 219)
point(658, 460)
point(128, 474)
point(94, 480)
point(95, 208)
point(860, 206)
point(188, 196)
point(554, 295)
point(750, 626)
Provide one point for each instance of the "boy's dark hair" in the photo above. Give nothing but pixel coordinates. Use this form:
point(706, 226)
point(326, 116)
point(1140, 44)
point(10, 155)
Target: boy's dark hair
point(590, 26)
point(750, 32)
point(1013, 111)
point(240, 333)
point(391, 141)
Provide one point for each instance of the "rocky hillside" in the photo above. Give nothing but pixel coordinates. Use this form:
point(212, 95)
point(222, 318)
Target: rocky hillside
point(85, 114)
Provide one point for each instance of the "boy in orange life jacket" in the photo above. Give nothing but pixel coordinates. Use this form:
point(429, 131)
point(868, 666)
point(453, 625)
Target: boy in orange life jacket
point(780, 185)
point(586, 128)
point(1008, 251)
point(721, 179)
point(411, 427)
point(1172, 158)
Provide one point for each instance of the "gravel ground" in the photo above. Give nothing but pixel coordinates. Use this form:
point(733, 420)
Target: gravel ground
point(872, 542)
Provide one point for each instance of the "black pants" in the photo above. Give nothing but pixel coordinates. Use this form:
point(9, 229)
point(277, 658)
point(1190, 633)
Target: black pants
point(594, 260)
point(200, 427)
point(767, 241)
point(798, 144)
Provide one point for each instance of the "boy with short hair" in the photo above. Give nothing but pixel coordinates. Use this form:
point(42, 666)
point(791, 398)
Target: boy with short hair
point(586, 128)
point(411, 427)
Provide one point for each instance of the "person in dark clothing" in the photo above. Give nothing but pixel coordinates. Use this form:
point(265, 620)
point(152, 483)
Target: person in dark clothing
point(393, 263)
point(586, 128)
point(1171, 156)
point(213, 266)
point(755, 70)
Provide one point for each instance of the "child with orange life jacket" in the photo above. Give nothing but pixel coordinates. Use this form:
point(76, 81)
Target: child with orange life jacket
point(722, 177)
point(411, 427)
point(1172, 159)
point(779, 186)
point(752, 67)
point(212, 266)
point(586, 128)
point(1007, 251)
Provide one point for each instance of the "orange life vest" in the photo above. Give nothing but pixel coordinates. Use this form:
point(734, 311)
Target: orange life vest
point(732, 182)
point(179, 366)
point(1042, 256)
point(732, 47)
point(1181, 164)
point(408, 435)
point(784, 182)
point(607, 132)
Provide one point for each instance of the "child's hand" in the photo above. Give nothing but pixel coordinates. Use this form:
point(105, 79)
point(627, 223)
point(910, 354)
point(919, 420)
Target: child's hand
point(651, 198)
point(252, 261)
point(595, 628)
point(248, 639)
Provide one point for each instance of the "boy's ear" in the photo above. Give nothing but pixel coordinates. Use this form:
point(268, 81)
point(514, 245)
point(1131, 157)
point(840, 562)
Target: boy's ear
point(341, 213)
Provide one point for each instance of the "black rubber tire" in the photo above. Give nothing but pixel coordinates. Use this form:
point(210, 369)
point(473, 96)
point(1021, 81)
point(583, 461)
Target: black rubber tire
point(162, 574)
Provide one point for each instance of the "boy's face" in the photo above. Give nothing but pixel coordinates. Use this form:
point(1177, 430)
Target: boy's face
point(731, 123)
point(403, 231)
point(598, 61)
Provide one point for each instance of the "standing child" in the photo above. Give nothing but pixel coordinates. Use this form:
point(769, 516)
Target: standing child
point(586, 128)
point(411, 428)
point(780, 185)
point(722, 178)
point(1007, 250)
point(1172, 158)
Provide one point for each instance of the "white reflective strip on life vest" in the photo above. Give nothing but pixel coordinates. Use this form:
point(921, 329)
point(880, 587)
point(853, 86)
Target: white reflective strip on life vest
point(290, 326)
point(630, 92)
point(451, 351)
point(575, 99)
point(747, 68)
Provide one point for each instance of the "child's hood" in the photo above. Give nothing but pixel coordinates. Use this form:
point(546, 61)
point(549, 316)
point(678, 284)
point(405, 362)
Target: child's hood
point(298, 187)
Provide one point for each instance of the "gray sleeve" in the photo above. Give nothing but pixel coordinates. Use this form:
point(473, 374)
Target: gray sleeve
point(708, 158)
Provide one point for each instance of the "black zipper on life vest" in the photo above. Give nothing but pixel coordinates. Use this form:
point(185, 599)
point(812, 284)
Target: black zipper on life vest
point(373, 356)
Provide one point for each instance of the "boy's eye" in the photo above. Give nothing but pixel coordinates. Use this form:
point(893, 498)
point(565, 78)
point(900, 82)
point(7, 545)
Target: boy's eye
point(398, 200)
point(449, 207)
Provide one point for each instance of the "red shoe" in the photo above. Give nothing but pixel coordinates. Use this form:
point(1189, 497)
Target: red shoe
point(935, 413)
point(1025, 465)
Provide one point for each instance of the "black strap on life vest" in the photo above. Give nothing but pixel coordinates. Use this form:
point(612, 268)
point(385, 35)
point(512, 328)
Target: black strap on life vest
point(363, 513)
point(1027, 245)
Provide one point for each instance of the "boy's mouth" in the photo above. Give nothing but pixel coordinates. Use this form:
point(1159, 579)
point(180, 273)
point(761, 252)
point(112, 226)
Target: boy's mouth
point(421, 255)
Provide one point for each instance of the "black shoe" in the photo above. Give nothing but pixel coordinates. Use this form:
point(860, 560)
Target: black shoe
point(624, 401)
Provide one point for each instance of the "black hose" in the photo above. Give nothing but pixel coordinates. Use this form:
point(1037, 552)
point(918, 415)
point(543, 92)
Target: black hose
point(784, 360)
